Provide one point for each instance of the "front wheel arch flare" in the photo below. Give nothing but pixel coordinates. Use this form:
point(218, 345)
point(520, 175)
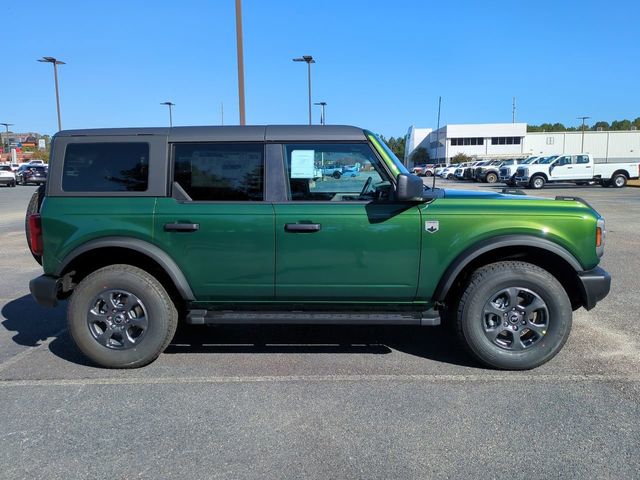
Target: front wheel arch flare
point(513, 247)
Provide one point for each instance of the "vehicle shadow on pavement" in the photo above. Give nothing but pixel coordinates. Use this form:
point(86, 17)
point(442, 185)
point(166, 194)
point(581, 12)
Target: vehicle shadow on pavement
point(34, 324)
point(433, 343)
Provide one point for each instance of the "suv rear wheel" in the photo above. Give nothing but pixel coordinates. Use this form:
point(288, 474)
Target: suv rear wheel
point(514, 315)
point(121, 317)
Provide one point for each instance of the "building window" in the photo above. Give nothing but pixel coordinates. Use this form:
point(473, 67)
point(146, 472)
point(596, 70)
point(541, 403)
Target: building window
point(550, 140)
point(467, 141)
point(506, 140)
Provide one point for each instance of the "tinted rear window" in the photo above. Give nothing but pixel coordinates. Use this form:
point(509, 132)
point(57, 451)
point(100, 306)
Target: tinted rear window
point(219, 171)
point(106, 167)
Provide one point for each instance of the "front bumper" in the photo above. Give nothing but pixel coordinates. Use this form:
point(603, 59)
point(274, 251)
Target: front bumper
point(596, 285)
point(45, 289)
point(7, 180)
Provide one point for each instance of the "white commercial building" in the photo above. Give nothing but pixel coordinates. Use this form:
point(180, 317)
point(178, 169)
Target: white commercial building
point(511, 140)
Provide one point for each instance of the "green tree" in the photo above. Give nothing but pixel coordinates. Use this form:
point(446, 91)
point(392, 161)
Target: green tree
point(460, 158)
point(601, 124)
point(621, 124)
point(420, 156)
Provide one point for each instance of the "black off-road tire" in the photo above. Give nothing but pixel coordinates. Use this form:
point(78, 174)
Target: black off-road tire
point(483, 285)
point(34, 207)
point(491, 178)
point(161, 313)
point(336, 175)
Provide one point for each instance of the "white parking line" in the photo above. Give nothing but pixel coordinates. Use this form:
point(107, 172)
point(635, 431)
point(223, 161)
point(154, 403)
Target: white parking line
point(454, 378)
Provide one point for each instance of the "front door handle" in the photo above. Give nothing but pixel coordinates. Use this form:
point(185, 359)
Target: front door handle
point(181, 227)
point(302, 227)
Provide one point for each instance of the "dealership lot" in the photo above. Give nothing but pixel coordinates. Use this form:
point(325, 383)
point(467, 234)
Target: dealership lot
point(318, 402)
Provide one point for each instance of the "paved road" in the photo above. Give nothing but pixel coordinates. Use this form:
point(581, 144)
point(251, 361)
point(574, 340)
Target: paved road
point(322, 402)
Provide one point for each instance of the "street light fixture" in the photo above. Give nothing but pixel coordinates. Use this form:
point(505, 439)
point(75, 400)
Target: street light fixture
point(322, 115)
point(55, 62)
point(6, 126)
point(169, 104)
point(583, 119)
point(309, 60)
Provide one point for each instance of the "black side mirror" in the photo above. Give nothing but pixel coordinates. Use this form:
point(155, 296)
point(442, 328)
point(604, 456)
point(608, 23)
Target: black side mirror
point(409, 188)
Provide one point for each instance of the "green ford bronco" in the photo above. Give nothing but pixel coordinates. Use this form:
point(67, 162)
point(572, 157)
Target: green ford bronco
point(142, 228)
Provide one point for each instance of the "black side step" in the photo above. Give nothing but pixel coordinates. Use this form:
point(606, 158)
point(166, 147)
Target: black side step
point(200, 317)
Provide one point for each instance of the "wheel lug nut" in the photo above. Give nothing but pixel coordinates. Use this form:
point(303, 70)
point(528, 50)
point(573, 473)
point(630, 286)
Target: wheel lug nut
point(505, 324)
point(523, 322)
point(515, 328)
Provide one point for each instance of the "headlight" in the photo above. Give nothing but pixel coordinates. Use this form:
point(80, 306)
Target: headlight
point(601, 234)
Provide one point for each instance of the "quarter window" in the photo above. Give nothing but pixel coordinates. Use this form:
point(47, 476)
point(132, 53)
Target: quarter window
point(219, 171)
point(106, 167)
point(335, 172)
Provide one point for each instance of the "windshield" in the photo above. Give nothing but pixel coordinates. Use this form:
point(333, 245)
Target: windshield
point(548, 160)
point(399, 167)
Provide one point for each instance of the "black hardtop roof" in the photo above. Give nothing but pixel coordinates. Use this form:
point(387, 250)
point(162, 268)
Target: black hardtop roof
point(251, 133)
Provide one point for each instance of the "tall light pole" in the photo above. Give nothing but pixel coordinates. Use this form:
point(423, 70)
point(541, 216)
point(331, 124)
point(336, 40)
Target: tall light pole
point(6, 126)
point(170, 105)
point(240, 52)
point(323, 119)
point(583, 119)
point(309, 59)
point(55, 63)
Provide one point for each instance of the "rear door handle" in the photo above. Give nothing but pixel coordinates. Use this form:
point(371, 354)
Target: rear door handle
point(302, 227)
point(181, 227)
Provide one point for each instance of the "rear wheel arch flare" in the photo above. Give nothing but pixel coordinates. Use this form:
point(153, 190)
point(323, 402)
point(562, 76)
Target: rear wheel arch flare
point(106, 251)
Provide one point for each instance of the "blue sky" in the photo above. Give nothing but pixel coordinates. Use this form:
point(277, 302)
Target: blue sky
point(380, 64)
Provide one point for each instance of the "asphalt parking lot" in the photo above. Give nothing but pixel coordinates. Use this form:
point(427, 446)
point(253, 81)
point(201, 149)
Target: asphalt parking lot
point(322, 402)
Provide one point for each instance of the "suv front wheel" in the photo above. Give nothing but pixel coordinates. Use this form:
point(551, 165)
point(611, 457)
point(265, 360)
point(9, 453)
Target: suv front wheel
point(121, 317)
point(514, 315)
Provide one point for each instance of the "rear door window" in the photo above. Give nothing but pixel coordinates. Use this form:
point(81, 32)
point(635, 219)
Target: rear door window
point(106, 167)
point(220, 171)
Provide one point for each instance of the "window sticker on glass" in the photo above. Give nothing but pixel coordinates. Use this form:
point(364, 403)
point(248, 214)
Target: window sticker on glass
point(302, 163)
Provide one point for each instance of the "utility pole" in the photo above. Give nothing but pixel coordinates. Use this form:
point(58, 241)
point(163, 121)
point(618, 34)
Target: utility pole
point(221, 113)
point(6, 138)
point(169, 104)
point(323, 119)
point(55, 63)
point(309, 60)
point(513, 111)
point(240, 51)
point(583, 119)
point(433, 185)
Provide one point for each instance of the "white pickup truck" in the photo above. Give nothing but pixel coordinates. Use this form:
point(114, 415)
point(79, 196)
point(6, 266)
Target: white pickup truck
point(578, 169)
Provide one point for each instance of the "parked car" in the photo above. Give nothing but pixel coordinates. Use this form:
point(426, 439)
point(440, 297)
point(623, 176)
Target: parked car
point(7, 177)
point(576, 169)
point(482, 170)
point(507, 172)
point(235, 238)
point(448, 172)
point(36, 174)
point(333, 170)
point(419, 170)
